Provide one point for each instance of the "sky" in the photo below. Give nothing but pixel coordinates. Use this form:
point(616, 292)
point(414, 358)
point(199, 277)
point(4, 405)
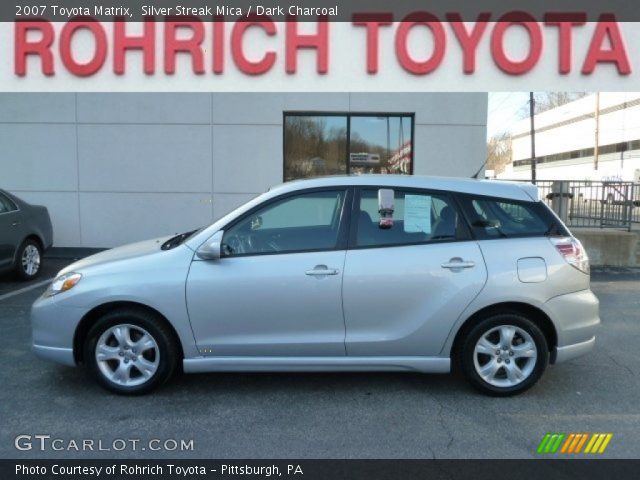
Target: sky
point(505, 109)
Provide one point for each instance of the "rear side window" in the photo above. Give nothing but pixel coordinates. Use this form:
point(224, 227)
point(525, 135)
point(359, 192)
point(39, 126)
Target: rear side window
point(500, 218)
point(418, 217)
point(6, 205)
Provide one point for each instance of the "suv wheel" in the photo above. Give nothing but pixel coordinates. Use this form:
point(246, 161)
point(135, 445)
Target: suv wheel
point(504, 354)
point(28, 260)
point(131, 352)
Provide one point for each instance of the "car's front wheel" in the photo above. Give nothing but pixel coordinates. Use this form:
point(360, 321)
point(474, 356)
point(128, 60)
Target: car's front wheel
point(504, 354)
point(131, 352)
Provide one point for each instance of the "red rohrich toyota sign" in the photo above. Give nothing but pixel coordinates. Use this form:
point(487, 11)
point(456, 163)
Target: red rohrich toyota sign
point(208, 44)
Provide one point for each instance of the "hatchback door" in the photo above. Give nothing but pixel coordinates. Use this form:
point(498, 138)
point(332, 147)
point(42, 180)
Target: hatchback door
point(405, 286)
point(277, 290)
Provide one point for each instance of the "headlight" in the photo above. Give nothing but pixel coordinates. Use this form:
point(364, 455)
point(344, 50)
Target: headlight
point(63, 283)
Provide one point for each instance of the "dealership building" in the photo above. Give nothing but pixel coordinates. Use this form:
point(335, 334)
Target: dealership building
point(113, 168)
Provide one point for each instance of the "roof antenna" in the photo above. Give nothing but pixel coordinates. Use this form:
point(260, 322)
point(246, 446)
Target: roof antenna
point(475, 175)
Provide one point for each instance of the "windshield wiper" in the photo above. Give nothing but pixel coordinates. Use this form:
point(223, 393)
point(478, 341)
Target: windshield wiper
point(177, 240)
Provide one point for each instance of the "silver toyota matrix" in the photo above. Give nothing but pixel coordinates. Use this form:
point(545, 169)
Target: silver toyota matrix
point(354, 273)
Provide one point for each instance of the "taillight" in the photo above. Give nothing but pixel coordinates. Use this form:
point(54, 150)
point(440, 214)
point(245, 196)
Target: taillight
point(573, 252)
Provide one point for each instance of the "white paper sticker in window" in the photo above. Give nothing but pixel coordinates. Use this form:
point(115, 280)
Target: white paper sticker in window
point(417, 213)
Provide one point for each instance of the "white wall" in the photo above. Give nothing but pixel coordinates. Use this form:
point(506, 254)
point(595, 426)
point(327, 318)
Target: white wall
point(115, 168)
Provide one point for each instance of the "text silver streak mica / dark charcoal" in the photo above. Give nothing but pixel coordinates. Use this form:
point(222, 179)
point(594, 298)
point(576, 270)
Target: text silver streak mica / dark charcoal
point(347, 273)
point(25, 232)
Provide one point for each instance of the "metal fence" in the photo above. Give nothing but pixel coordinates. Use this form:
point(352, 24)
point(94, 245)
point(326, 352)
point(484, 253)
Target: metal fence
point(603, 204)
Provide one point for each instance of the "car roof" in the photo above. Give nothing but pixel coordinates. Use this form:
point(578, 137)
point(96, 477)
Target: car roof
point(510, 190)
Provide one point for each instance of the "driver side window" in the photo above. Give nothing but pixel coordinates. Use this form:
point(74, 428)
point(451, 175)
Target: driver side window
point(305, 222)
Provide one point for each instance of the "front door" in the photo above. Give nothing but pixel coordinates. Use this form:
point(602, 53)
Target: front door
point(277, 290)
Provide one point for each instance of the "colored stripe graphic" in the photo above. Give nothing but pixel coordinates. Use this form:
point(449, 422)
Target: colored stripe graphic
point(598, 443)
point(543, 443)
point(572, 443)
point(551, 442)
point(579, 440)
point(565, 447)
point(607, 439)
point(590, 444)
point(557, 443)
point(581, 443)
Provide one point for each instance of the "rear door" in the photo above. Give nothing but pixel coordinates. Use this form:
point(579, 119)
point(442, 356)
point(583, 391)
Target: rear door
point(405, 286)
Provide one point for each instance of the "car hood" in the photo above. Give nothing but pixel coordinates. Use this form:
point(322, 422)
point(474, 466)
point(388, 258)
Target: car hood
point(118, 254)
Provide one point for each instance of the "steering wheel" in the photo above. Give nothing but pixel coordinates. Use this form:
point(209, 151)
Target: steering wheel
point(257, 245)
point(235, 245)
point(240, 244)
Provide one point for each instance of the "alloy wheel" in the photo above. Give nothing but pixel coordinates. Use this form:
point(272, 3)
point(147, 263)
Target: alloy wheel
point(505, 356)
point(30, 260)
point(127, 355)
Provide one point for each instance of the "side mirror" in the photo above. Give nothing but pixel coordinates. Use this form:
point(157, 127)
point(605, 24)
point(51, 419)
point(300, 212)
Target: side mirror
point(212, 248)
point(386, 207)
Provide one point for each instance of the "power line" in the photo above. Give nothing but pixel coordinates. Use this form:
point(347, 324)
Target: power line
point(507, 97)
point(515, 116)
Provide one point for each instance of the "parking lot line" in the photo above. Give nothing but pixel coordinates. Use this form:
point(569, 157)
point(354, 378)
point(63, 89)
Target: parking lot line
point(25, 289)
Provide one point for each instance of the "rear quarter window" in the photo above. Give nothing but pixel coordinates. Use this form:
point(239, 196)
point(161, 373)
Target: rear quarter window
point(6, 205)
point(491, 217)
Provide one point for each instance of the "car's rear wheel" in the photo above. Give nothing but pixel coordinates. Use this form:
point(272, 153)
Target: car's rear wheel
point(28, 260)
point(131, 352)
point(504, 354)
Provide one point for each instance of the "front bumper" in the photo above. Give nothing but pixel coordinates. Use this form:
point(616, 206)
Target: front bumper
point(53, 328)
point(63, 356)
point(576, 319)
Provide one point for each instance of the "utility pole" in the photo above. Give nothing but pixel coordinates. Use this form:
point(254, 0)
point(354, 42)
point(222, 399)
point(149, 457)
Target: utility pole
point(533, 138)
point(597, 142)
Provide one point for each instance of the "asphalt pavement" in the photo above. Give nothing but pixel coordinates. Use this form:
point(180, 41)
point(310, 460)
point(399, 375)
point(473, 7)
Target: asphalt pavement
point(324, 415)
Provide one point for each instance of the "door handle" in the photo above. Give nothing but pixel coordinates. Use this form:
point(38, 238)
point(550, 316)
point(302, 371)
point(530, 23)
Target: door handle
point(15, 224)
point(458, 263)
point(322, 270)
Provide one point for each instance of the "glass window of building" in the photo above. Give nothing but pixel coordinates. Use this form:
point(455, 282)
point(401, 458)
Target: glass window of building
point(331, 144)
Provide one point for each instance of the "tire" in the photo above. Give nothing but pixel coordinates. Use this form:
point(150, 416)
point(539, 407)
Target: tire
point(506, 371)
point(131, 365)
point(28, 260)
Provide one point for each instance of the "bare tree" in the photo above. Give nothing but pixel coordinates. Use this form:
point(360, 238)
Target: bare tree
point(547, 100)
point(499, 152)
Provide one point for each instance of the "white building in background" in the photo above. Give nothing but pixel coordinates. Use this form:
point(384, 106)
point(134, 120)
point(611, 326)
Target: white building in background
point(114, 168)
point(566, 138)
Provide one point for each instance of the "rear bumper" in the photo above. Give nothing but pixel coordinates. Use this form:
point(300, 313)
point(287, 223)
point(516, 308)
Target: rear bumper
point(576, 319)
point(563, 354)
